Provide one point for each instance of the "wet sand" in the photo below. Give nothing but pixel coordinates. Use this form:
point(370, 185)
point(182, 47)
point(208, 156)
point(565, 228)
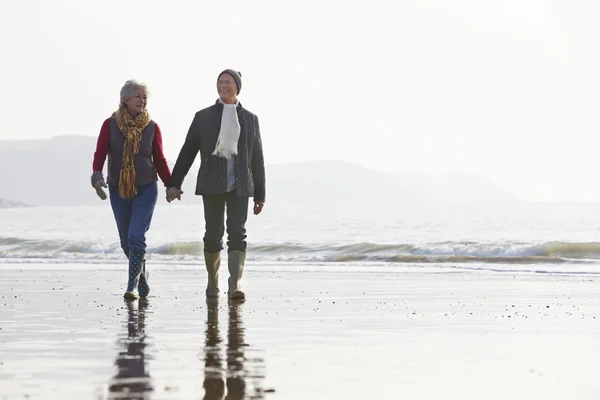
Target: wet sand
point(305, 332)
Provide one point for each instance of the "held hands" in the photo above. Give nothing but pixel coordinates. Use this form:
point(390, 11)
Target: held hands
point(98, 183)
point(174, 193)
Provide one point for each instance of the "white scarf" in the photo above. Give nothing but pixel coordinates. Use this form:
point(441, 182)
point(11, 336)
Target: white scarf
point(227, 143)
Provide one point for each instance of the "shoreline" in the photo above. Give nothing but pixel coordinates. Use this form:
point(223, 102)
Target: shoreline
point(582, 269)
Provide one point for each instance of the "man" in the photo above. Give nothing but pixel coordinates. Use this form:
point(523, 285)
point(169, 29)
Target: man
point(232, 170)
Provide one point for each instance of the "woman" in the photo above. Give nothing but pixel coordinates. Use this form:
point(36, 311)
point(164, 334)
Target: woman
point(133, 143)
point(232, 169)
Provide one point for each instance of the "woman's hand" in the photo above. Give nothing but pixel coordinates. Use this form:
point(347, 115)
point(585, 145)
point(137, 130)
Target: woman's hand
point(98, 183)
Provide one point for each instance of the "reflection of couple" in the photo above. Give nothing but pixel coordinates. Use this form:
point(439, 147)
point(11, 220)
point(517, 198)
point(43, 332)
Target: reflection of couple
point(132, 376)
point(235, 373)
point(232, 170)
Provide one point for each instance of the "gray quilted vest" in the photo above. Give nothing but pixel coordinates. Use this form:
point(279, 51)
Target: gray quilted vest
point(145, 172)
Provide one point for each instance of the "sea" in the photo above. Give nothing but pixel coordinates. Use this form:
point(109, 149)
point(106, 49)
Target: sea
point(561, 238)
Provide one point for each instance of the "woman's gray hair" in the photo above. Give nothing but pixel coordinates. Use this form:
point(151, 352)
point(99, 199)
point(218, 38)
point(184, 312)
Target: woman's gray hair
point(129, 87)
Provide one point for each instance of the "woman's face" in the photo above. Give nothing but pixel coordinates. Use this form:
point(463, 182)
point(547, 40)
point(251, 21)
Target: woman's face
point(137, 102)
point(227, 89)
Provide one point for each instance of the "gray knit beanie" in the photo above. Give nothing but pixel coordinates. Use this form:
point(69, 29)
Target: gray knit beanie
point(237, 77)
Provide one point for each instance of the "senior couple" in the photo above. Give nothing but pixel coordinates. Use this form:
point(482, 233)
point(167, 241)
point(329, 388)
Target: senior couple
point(232, 170)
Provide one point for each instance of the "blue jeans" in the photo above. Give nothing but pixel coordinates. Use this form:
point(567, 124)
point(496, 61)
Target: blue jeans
point(134, 216)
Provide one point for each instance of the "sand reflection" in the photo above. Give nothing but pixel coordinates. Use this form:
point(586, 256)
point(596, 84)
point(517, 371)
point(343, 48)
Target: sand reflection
point(230, 373)
point(132, 379)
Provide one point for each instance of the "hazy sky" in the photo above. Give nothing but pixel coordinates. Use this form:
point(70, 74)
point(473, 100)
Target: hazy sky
point(504, 89)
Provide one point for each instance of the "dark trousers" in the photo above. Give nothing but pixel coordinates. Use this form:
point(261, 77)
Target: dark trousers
point(214, 213)
point(134, 216)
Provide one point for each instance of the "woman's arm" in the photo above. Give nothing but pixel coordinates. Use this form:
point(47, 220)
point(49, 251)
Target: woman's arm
point(102, 147)
point(158, 156)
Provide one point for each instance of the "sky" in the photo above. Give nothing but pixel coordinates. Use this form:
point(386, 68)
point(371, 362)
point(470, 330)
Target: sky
point(507, 90)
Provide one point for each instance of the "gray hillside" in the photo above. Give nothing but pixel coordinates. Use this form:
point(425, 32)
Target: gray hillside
point(56, 172)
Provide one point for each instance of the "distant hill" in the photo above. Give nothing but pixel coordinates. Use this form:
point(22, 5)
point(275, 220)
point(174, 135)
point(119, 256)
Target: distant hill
point(12, 204)
point(341, 182)
point(48, 172)
point(57, 171)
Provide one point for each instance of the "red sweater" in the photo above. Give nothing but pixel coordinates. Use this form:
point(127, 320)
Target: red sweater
point(158, 157)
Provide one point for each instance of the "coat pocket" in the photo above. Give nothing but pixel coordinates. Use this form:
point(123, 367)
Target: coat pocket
point(205, 166)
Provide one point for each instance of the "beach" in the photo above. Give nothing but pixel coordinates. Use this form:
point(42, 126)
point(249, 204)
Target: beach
point(305, 332)
point(404, 190)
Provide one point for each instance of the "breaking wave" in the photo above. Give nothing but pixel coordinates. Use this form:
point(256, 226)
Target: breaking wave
point(444, 252)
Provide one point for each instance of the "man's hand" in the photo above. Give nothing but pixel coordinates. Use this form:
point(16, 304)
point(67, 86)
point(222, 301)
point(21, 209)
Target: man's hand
point(98, 183)
point(258, 206)
point(174, 193)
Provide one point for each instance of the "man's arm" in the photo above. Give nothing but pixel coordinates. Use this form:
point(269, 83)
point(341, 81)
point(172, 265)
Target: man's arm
point(258, 167)
point(187, 154)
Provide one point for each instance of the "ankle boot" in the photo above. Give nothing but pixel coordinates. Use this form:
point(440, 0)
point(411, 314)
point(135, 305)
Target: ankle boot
point(213, 262)
point(236, 261)
point(143, 286)
point(136, 261)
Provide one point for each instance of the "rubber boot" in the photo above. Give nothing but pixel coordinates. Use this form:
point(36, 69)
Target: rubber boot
point(236, 261)
point(213, 263)
point(143, 287)
point(136, 262)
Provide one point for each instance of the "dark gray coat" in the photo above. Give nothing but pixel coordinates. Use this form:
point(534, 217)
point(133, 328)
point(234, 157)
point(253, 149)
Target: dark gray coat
point(212, 178)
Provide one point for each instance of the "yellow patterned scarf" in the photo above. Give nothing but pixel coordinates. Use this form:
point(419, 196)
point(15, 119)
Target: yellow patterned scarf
point(131, 127)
